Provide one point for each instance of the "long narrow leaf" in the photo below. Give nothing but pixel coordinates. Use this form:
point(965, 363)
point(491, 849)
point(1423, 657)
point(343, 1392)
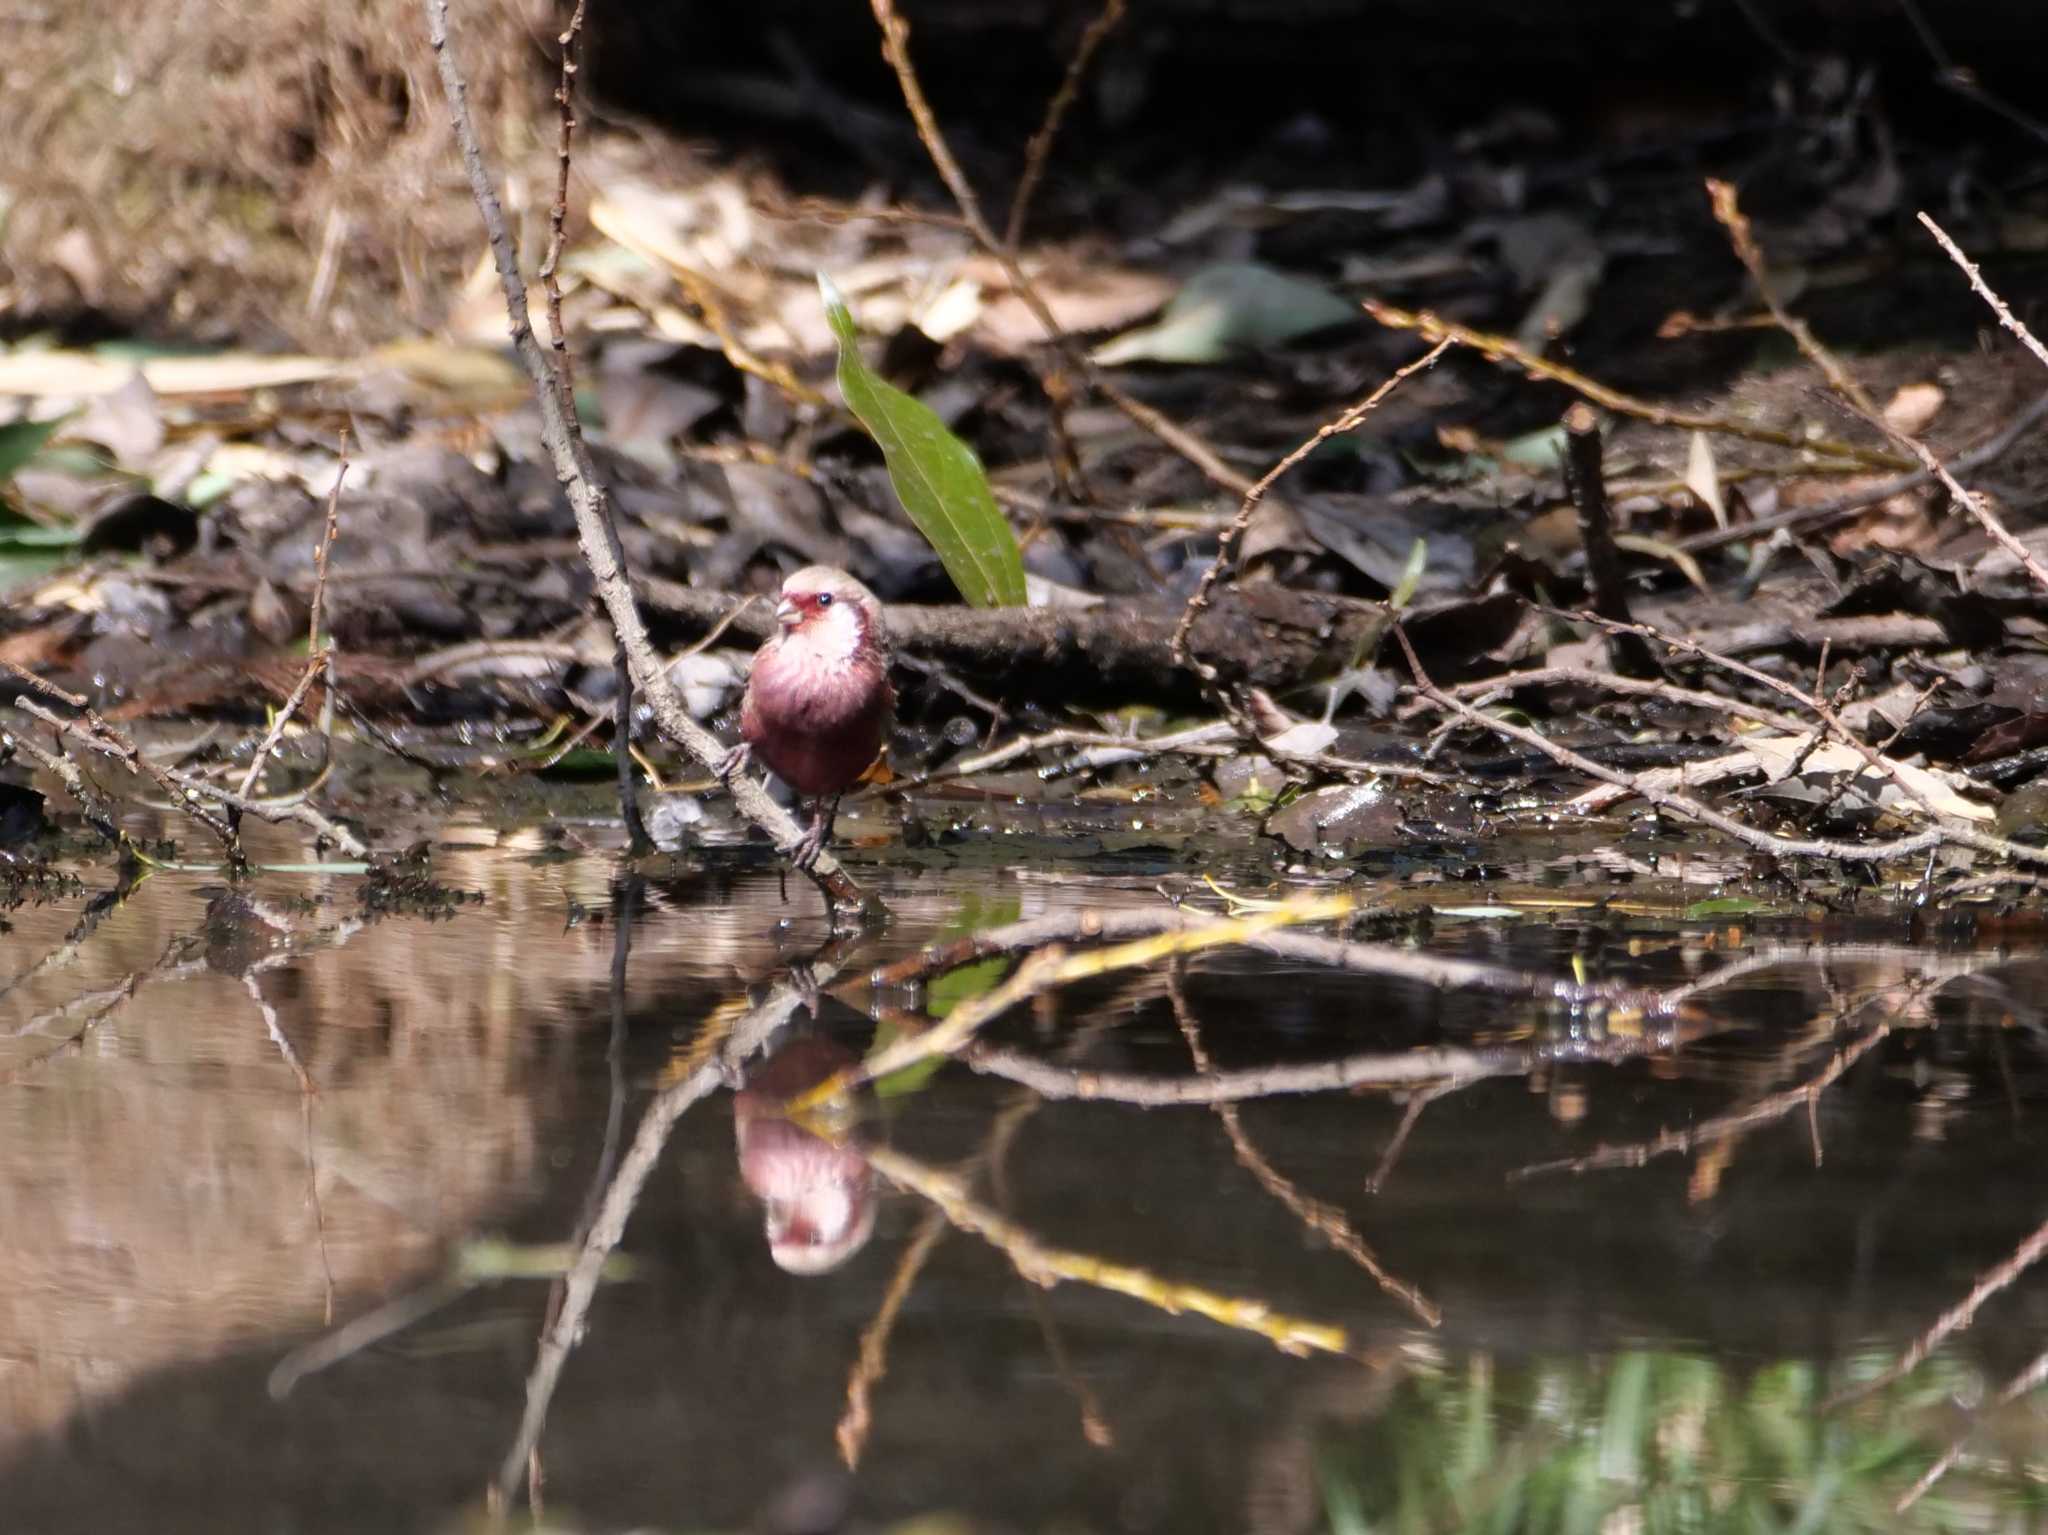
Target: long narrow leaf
point(937, 477)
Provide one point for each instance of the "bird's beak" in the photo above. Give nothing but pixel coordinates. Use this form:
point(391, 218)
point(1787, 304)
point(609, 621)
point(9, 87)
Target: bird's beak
point(787, 615)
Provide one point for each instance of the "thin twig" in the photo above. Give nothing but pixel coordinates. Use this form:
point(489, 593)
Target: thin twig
point(1442, 972)
point(2020, 1385)
point(319, 659)
point(99, 815)
point(1438, 1066)
point(1490, 689)
point(728, 1040)
point(558, 212)
point(872, 1360)
point(1499, 349)
point(1692, 809)
point(1763, 1111)
point(896, 49)
point(1998, 305)
point(1830, 719)
point(589, 499)
point(187, 791)
point(638, 842)
point(1040, 148)
point(1963, 80)
point(94, 732)
point(1226, 546)
point(1729, 212)
point(1051, 967)
point(1806, 518)
point(1956, 1318)
point(1418, 1100)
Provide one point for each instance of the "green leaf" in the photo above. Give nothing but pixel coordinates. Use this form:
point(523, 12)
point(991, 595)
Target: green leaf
point(20, 441)
point(32, 536)
point(937, 477)
point(29, 551)
point(956, 986)
point(1723, 906)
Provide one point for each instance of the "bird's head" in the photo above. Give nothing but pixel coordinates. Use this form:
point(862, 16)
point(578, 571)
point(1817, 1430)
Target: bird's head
point(829, 614)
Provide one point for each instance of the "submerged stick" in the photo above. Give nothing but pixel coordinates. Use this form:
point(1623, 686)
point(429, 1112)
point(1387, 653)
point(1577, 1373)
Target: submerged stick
point(1053, 966)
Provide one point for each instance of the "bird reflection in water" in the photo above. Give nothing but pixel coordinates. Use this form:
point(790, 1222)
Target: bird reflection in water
point(818, 1197)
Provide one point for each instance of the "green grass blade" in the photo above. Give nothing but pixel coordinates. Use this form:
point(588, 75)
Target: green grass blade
point(937, 477)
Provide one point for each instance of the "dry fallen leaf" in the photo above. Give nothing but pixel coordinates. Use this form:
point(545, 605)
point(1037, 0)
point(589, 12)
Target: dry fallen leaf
point(1913, 408)
point(81, 374)
point(1778, 753)
point(1703, 479)
point(1095, 299)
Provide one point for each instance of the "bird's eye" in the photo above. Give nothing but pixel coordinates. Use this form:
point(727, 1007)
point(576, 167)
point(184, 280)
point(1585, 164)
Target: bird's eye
point(824, 599)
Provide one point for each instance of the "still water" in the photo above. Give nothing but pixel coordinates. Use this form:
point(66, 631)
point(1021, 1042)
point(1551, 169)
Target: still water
point(285, 1179)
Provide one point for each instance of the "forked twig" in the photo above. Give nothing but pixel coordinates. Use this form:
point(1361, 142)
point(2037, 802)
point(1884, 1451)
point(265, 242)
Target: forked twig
point(1729, 212)
point(1226, 546)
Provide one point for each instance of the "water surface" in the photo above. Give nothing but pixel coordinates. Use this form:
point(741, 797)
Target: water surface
point(231, 1123)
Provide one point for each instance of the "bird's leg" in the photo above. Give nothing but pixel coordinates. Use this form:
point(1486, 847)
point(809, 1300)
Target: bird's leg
point(824, 810)
point(731, 763)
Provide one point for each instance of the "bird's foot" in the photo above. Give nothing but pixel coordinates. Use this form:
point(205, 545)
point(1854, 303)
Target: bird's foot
point(812, 842)
point(731, 763)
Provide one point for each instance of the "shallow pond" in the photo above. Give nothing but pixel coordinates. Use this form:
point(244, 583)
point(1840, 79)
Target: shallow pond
point(286, 1177)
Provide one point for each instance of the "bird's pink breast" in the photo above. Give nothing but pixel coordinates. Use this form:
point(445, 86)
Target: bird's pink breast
point(817, 726)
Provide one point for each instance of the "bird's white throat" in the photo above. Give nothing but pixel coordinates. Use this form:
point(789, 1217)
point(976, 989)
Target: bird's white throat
point(830, 640)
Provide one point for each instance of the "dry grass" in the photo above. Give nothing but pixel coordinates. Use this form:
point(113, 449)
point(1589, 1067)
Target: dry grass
point(272, 173)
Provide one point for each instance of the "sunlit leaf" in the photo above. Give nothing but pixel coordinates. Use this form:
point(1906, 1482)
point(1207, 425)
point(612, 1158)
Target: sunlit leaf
point(937, 477)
